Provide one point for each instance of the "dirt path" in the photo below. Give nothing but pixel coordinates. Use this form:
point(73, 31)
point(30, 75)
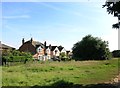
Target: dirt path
point(116, 81)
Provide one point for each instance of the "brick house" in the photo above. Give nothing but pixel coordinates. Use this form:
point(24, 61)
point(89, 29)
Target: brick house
point(39, 50)
point(30, 46)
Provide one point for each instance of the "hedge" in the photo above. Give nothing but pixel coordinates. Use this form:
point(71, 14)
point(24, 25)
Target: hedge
point(16, 58)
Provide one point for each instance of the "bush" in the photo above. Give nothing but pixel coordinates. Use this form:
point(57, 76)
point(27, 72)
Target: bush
point(64, 57)
point(16, 56)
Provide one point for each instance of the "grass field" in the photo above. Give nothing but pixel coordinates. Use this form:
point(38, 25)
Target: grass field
point(44, 74)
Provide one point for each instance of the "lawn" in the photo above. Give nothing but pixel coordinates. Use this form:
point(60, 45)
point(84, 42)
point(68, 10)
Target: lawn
point(45, 74)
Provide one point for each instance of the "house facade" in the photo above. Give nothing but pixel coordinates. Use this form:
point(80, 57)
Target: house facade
point(55, 52)
point(62, 49)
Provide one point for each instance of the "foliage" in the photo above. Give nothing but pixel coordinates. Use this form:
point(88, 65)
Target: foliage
point(15, 56)
point(64, 57)
point(116, 53)
point(113, 8)
point(90, 48)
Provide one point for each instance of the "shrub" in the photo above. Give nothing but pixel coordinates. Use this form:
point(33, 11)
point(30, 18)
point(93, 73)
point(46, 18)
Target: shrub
point(16, 56)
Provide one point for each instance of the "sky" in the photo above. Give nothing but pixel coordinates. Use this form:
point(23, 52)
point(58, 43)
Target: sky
point(57, 23)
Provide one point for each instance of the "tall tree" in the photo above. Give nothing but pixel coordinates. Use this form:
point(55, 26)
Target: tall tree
point(113, 7)
point(91, 48)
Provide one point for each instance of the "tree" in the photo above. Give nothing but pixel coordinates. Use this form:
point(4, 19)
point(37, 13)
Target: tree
point(113, 7)
point(116, 53)
point(91, 48)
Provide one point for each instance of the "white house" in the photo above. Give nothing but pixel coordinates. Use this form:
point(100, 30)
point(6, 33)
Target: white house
point(55, 51)
point(48, 52)
point(63, 50)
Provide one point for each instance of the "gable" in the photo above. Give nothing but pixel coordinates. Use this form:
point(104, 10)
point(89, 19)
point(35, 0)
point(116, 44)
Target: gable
point(53, 48)
point(39, 49)
point(28, 47)
point(63, 50)
point(56, 49)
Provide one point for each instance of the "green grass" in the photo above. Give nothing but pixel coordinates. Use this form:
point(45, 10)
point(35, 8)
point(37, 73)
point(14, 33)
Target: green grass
point(79, 72)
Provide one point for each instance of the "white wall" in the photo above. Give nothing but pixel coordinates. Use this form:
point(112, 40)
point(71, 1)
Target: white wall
point(58, 52)
point(39, 49)
point(63, 50)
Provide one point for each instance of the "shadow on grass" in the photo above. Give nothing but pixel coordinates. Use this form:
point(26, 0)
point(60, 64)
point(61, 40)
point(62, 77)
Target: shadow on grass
point(64, 84)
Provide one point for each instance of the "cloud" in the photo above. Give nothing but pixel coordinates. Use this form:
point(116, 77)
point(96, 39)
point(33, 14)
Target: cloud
point(17, 17)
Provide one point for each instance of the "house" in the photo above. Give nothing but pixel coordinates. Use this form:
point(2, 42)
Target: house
point(37, 49)
point(6, 47)
point(31, 46)
point(48, 52)
point(62, 49)
point(40, 51)
point(41, 54)
point(55, 52)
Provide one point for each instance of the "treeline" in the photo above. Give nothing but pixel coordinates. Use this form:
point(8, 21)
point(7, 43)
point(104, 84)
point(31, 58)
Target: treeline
point(116, 53)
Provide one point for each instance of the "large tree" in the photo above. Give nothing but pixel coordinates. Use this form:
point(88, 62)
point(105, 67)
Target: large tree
point(91, 48)
point(113, 7)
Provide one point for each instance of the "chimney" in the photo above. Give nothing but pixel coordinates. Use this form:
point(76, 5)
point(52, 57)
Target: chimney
point(50, 46)
point(23, 41)
point(31, 40)
point(45, 48)
point(45, 44)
